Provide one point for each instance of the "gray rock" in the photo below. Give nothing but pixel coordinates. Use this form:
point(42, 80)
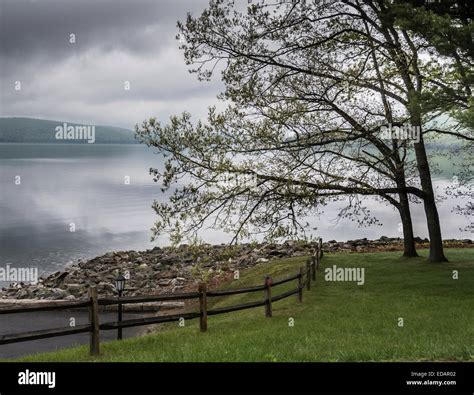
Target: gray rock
point(165, 269)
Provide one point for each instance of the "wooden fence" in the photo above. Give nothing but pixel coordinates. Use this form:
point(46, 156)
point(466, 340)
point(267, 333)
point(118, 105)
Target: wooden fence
point(304, 278)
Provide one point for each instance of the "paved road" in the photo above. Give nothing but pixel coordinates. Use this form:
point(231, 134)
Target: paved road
point(15, 323)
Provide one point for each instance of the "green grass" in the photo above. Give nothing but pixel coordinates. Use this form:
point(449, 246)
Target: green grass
point(337, 321)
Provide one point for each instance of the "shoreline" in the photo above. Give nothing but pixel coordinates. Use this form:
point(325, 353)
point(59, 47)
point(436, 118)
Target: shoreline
point(180, 269)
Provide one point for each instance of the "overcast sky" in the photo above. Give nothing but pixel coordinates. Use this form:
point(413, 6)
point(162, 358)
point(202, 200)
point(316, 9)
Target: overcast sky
point(116, 41)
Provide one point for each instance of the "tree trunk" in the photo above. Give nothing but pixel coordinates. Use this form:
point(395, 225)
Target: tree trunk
point(431, 211)
point(434, 230)
point(409, 249)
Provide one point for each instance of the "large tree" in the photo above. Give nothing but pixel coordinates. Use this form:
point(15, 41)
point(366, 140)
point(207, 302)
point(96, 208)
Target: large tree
point(264, 48)
point(328, 74)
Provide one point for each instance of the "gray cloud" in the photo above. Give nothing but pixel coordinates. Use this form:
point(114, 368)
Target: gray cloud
point(116, 41)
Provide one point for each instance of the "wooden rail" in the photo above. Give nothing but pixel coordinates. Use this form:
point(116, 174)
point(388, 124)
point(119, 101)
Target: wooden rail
point(147, 298)
point(47, 307)
point(225, 292)
point(148, 321)
point(304, 278)
point(285, 280)
point(43, 334)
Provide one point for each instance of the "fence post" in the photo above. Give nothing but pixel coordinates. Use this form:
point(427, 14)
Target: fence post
point(318, 257)
point(313, 267)
point(320, 247)
point(268, 296)
point(203, 306)
point(94, 334)
point(300, 285)
point(308, 274)
point(119, 317)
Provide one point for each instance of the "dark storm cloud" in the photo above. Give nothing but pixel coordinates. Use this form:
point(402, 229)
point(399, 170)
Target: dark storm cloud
point(31, 27)
point(116, 41)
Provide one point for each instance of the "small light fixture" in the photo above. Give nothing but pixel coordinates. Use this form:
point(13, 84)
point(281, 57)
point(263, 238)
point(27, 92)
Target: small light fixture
point(120, 284)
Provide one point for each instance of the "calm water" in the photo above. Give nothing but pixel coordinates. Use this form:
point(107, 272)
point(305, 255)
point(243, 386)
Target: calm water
point(84, 185)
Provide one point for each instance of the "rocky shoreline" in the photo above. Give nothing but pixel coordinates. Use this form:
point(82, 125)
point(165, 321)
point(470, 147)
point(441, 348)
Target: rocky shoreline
point(165, 270)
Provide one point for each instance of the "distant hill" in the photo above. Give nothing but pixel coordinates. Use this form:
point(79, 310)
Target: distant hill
point(31, 130)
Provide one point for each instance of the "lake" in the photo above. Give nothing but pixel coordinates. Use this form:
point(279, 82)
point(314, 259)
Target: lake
point(84, 185)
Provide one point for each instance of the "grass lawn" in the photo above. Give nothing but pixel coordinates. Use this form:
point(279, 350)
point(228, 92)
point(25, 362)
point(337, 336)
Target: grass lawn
point(337, 321)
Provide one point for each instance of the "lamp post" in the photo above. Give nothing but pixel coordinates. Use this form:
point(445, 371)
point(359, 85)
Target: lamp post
point(120, 286)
